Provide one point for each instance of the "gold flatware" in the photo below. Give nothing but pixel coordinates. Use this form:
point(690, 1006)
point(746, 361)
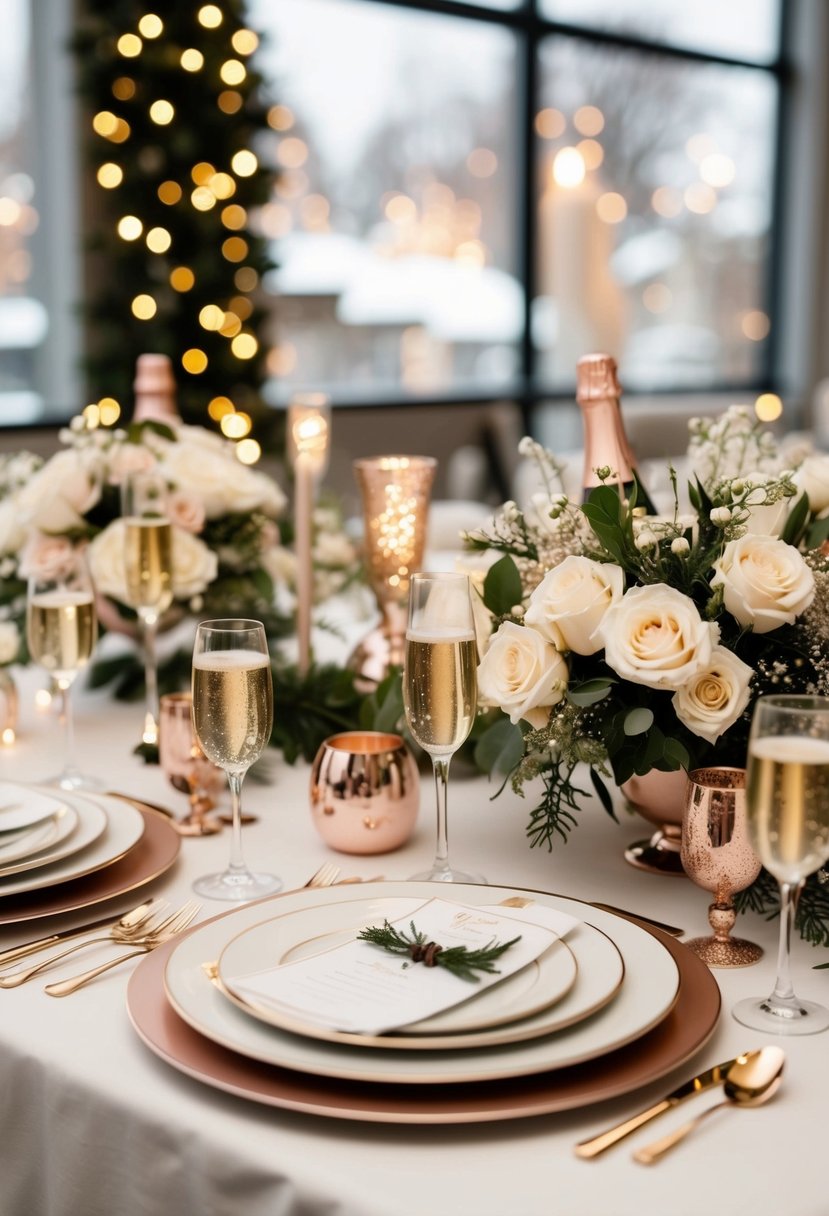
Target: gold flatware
point(325, 876)
point(163, 933)
point(588, 1149)
point(136, 928)
point(751, 1080)
point(15, 953)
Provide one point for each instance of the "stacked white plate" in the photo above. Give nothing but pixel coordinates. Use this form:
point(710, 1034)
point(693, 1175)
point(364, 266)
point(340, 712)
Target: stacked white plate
point(49, 837)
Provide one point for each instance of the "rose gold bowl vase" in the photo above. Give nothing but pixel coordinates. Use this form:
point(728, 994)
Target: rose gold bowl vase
point(365, 792)
point(660, 798)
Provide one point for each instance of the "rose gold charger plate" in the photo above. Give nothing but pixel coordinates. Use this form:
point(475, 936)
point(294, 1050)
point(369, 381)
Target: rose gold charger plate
point(152, 856)
point(687, 1027)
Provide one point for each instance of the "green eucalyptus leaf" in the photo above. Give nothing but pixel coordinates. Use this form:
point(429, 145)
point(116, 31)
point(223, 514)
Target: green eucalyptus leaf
point(638, 720)
point(818, 533)
point(590, 692)
point(603, 794)
point(500, 747)
point(502, 587)
point(796, 521)
point(676, 753)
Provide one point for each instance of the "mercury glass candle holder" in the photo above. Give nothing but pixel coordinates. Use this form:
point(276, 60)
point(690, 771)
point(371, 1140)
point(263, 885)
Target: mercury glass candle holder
point(395, 493)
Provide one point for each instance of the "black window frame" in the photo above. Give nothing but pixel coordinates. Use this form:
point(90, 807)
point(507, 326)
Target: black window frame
point(532, 29)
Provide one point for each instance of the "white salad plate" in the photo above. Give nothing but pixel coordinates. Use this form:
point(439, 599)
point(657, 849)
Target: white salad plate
point(107, 830)
point(493, 1016)
point(41, 844)
point(22, 806)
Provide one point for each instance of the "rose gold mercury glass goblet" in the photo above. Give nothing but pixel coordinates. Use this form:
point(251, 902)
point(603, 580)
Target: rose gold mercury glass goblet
point(186, 766)
point(718, 856)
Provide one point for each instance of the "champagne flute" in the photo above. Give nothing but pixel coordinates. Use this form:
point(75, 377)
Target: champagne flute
point(61, 629)
point(233, 717)
point(788, 819)
point(440, 689)
point(148, 568)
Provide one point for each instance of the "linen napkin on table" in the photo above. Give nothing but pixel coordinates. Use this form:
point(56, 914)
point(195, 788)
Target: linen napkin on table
point(360, 988)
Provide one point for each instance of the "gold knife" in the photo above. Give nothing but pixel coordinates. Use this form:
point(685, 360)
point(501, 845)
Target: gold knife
point(697, 1085)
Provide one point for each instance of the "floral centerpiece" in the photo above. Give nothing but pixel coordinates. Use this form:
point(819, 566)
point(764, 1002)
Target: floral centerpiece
point(231, 557)
point(223, 515)
point(627, 642)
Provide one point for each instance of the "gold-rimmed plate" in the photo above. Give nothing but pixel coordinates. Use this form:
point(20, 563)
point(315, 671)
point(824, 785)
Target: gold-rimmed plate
point(497, 1015)
point(35, 846)
point(645, 997)
point(675, 1040)
point(153, 854)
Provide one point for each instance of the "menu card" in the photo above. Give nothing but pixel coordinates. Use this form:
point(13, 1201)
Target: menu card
point(360, 988)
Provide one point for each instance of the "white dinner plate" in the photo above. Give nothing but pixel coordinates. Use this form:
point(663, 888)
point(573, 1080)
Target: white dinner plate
point(650, 988)
point(38, 845)
point(297, 935)
point(22, 806)
point(113, 828)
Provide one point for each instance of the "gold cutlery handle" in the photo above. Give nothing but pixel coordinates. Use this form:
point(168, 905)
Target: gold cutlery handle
point(65, 987)
point(15, 953)
point(592, 1148)
point(20, 977)
point(651, 1153)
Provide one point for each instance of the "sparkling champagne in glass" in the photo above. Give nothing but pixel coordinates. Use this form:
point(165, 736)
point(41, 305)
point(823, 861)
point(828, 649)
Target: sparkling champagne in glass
point(788, 810)
point(440, 689)
point(61, 629)
point(148, 562)
point(233, 718)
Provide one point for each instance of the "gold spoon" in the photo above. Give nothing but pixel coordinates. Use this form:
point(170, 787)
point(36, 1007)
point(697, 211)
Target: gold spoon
point(751, 1080)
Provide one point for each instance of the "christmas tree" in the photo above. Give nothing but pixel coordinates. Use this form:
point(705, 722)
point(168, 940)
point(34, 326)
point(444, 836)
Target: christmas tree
point(176, 120)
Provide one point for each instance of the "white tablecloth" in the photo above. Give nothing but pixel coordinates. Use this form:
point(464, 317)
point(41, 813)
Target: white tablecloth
point(93, 1124)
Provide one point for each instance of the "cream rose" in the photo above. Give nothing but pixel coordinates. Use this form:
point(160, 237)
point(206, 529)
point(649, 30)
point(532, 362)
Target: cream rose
point(813, 479)
point(714, 698)
point(569, 603)
point(46, 557)
point(222, 484)
point(60, 493)
point(523, 674)
point(9, 642)
point(12, 533)
point(766, 583)
point(185, 511)
point(654, 635)
point(128, 458)
point(194, 565)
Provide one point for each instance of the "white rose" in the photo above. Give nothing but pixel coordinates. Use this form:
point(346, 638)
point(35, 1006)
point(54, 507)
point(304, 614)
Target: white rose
point(9, 642)
point(714, 698)
point(60, 493)
point(523, 674)
point(105, 557)
point(569, 603)
point(813, 479)
point(654, 635)
point(194, 565)
point(766, 583)
point(222, 484)
point(764, 518)
point(333, 549)
point(12, 533)
point(280, 563)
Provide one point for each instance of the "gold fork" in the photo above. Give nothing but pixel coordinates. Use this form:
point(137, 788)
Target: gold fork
point(326, 875)
point(161, 934)
point(124, 932)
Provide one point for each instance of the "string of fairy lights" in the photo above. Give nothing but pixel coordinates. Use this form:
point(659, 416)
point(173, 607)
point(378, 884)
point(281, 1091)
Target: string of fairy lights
point(208, 187)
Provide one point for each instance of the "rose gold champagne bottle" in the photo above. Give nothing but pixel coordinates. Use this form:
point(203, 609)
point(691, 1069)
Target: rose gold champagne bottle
point(605, 443)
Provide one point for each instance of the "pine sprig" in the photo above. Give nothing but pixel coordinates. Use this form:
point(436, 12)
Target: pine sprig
point(459, 960)
point(555, 814)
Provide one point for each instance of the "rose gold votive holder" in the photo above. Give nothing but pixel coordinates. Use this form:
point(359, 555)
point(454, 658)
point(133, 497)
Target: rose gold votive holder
point(186, 766)
point(365, 792)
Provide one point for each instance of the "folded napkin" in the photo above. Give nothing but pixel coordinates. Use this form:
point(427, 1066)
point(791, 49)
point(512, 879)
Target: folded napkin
point(362, 989)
